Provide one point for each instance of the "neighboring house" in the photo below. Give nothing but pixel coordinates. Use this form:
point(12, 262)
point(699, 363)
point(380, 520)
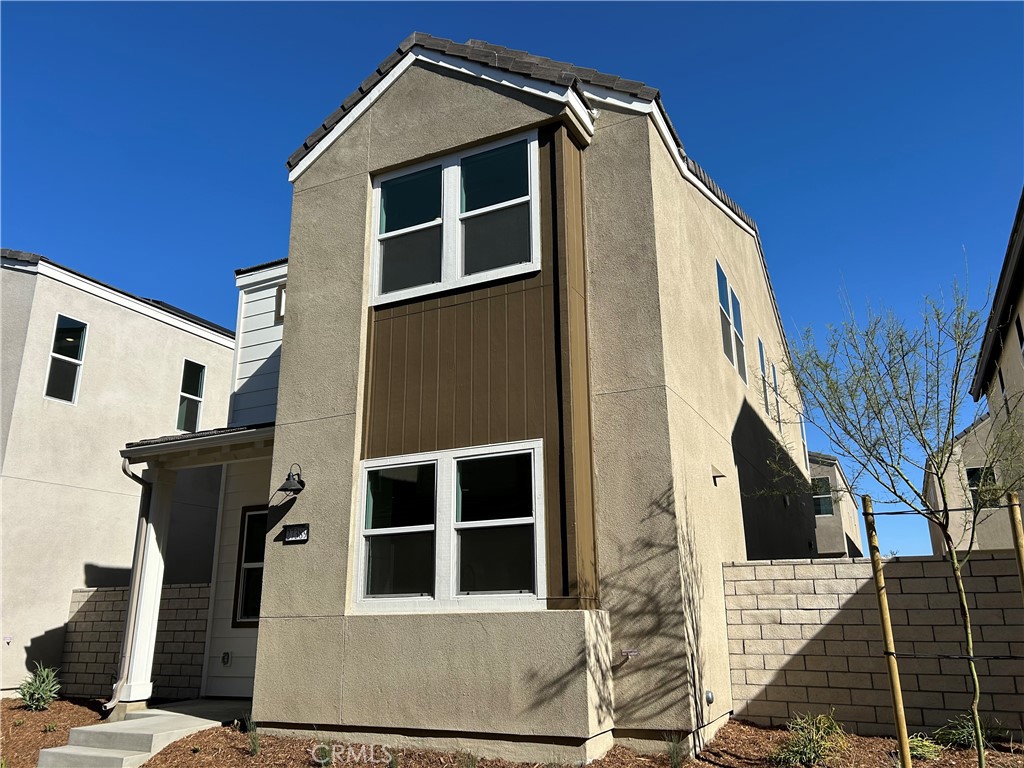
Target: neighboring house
point(836, 518)
point(520, 424)
point(991, 450)
point(85, 367)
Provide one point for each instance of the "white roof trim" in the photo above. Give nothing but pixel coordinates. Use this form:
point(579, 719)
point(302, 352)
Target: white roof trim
point(84, 284)
point(268, 276)
point(562, 94)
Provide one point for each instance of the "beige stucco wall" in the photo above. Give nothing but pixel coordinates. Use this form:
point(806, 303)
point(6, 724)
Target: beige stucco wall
point(666, 406)
point(16, 290)
point(69, 514)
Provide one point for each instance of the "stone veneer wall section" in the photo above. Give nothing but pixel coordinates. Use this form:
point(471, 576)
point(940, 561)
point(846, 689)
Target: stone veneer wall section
point(93, 641)
point(804, 637)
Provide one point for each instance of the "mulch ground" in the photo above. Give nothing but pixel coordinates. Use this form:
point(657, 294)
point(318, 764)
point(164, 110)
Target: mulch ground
point(24, 733)
point(737, 745)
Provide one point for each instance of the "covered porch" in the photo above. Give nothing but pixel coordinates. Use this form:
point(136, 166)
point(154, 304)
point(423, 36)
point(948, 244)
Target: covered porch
point(229, 626)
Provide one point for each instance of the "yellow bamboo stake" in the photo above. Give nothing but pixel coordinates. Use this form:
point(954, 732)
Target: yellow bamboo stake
point(1018, 535)
point(890, 646)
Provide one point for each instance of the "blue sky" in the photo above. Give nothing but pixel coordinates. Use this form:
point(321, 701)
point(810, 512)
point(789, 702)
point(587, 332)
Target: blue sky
point(144, 144)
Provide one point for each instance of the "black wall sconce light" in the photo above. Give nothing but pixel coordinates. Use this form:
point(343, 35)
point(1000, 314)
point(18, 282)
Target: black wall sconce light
point(294, 483)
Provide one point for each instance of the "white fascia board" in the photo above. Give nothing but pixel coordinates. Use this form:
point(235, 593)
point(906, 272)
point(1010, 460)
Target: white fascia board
point(85, 285)
point(641, 106)
point(141, 453)
point(268, 276)
point(562, 94)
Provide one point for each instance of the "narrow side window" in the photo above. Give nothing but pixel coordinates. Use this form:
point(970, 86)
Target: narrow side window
point(190, 400)
point(249, 577)
point(66, 357)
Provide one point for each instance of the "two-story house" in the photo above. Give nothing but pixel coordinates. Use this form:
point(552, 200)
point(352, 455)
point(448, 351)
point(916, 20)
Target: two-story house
point(527, 389)
point(988, 456)
point(85, 367)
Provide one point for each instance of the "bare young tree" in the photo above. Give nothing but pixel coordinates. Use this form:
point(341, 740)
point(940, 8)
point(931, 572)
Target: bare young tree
point(892, 397)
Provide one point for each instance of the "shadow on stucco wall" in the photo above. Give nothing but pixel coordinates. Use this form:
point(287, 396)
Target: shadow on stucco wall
point(778, 520)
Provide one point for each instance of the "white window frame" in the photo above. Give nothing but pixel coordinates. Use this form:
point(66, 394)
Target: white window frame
point(446, 597)
point(830, 496)
point(182, 393)
point(54, 355)
point(452, 256)
point(778, 399)
point(243, 566)
point(763, 360)
point(733, 301)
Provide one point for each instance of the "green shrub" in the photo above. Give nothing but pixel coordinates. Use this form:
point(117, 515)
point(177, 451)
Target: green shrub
point(392, 760)
point(50, 728)
point(923, 748)
point(959, 732)
point(466, 760)
point(40, 689)
point(248, 727)
point(812, 740)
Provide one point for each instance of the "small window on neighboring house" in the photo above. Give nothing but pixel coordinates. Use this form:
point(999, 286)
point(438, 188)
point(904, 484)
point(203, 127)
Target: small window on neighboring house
point(980, 481)
point(778, 399)
point(279, 305)
point(458, 221)
point(1002, 391)
point(764, 376)
point(249, 580)
point(1020, 336)
point(443, 528)
point(191, 399)
point(821, 492)
point(66, 359)
point(732, 323)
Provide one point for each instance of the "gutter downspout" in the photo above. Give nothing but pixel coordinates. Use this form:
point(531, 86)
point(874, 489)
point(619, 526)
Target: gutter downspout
point(128, 640)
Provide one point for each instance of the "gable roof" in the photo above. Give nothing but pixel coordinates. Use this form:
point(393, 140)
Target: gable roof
point(35, 259)
point(519, 63)
point(1011, 282)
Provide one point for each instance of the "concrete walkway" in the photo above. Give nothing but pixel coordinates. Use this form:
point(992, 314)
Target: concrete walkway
point(132, 741)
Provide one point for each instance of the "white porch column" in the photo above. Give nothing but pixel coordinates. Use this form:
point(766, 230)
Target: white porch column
point(144, 602)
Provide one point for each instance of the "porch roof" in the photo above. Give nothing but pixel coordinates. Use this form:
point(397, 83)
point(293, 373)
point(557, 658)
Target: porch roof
point(198, 449)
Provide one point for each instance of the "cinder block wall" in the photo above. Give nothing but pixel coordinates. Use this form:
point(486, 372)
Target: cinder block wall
point(93, 641)
point(804, 636)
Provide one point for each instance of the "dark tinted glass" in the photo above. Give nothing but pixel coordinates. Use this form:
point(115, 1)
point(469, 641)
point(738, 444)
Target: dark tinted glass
point(494, 488)
point(69, 337)
point(61, 383)
point(252, 591)
point(726, 335)
point(741, 357)
point(497, 239)
point(410, 200)
point(737, 316)
point(400, 496)
point(494, 176)
point(255, 537)
point(496, 559)
point(411, 260)
point(400, 564)
point(188, 414)
point(723, 288)
point(192, 378)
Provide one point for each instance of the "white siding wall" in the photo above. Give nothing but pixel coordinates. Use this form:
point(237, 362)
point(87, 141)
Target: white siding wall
point(245, 484)
point(257, 355)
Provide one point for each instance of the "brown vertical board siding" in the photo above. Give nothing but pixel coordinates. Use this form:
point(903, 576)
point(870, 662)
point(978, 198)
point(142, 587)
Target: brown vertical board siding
point(503, 362)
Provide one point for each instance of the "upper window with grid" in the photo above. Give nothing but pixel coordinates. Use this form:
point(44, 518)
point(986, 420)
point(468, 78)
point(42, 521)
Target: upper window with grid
point(732, 323)
point(461, 220)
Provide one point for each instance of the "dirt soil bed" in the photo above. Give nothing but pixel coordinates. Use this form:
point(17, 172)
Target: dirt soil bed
point(737, 745)
point(24, 733)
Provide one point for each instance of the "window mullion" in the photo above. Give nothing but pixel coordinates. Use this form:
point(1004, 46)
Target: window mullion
point(444, 531)
point(450, 236)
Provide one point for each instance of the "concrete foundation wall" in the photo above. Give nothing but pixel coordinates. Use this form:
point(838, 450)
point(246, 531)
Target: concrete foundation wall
point(804, 637)
point(95, 629)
